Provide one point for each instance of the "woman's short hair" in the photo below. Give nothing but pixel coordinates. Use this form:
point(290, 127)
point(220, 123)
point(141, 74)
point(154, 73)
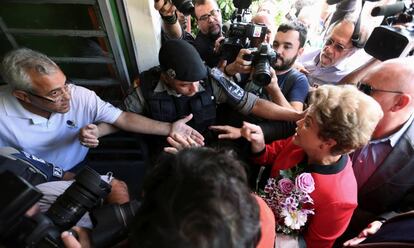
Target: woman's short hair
point(197, 198)
point(346, 115)
point(17, 63)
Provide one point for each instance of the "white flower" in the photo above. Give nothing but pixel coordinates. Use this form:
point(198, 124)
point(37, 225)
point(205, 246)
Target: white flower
point(294, 219)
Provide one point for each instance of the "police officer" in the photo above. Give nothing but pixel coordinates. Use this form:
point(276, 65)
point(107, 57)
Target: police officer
point(183, 85)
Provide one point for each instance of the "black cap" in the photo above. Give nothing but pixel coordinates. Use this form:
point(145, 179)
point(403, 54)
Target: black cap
point(180, 60)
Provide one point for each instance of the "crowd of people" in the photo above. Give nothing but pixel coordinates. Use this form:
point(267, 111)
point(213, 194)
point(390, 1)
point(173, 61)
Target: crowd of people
point(214, 125)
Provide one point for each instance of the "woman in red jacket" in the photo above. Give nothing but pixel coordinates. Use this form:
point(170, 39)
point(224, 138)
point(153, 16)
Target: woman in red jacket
point(339, 120)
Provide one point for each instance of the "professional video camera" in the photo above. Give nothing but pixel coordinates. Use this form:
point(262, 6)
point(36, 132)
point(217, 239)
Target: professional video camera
point(43, 230)
point(241, 32)
point(388, 41)
point(262, 58)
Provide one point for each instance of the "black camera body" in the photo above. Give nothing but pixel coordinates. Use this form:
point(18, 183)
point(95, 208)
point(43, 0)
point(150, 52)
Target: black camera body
point(241, 33)
point(262, 59)
point(388, 41)
point(43, 230)
point(184, 6)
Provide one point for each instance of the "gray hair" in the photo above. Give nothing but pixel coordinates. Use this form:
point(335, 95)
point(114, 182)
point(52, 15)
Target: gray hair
point(17, 63)
point(363, 32)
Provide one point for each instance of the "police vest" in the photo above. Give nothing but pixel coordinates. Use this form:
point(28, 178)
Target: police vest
point(168, 108)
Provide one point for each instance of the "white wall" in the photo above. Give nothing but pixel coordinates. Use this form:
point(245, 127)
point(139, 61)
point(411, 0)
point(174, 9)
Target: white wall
point(145, 25)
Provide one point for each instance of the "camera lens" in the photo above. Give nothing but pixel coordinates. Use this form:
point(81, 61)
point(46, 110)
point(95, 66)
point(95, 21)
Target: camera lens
point(84, 194)
point(263, 58)
point(262, 76)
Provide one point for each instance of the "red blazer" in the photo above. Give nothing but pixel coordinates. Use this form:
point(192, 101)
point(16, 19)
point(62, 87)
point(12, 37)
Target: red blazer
point(335, 194)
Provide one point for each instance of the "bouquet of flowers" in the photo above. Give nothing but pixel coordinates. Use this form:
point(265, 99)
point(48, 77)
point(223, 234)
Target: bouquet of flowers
point(289, 199)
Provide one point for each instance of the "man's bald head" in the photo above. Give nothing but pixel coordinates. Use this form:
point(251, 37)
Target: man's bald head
point(266, 19)
point(395, 74)
point(393, 88)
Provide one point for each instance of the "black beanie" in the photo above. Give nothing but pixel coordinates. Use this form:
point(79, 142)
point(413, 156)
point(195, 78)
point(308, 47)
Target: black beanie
point(180, 60)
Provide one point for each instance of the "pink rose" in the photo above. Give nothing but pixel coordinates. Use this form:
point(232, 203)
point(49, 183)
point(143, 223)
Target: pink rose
point(305, 183)
point(286, 185)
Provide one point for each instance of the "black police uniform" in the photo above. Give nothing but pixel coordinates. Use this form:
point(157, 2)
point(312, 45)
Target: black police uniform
point(168, 108)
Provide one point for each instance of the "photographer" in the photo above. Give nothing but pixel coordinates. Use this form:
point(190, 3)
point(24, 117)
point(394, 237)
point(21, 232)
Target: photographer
point(208, 17)
point(288, 88)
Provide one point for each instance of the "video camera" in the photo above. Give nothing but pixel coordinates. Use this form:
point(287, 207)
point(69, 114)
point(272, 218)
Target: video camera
point(387, 41)
point(241, 32)
point(43, 230)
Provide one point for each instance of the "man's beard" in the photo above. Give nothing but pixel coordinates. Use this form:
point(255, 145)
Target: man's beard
point(286, 64)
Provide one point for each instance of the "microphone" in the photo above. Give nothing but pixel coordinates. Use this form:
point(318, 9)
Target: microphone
point(388, 10)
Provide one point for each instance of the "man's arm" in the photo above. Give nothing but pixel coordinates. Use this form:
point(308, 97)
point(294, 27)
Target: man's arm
point(132, 122)
point(272, 111)
point(170, 23)
point(247, 103)
point(128, 121)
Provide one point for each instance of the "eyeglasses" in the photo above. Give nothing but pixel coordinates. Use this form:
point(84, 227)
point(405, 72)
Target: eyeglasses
point(57, 94)
point(368, 89)
point(337, 46)
point(214, 13)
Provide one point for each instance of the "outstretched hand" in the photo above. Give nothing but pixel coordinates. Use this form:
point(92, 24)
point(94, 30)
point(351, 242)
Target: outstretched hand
point(88, 136)
point(227, 132)
point(254, 135)
point(372, 228)
point(178, 143)
point(181, 128)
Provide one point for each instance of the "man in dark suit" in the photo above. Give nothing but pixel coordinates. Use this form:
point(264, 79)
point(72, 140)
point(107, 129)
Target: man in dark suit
point(384, 168)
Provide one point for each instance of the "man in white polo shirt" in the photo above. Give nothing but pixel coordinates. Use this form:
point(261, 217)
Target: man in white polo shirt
point(42, 111)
